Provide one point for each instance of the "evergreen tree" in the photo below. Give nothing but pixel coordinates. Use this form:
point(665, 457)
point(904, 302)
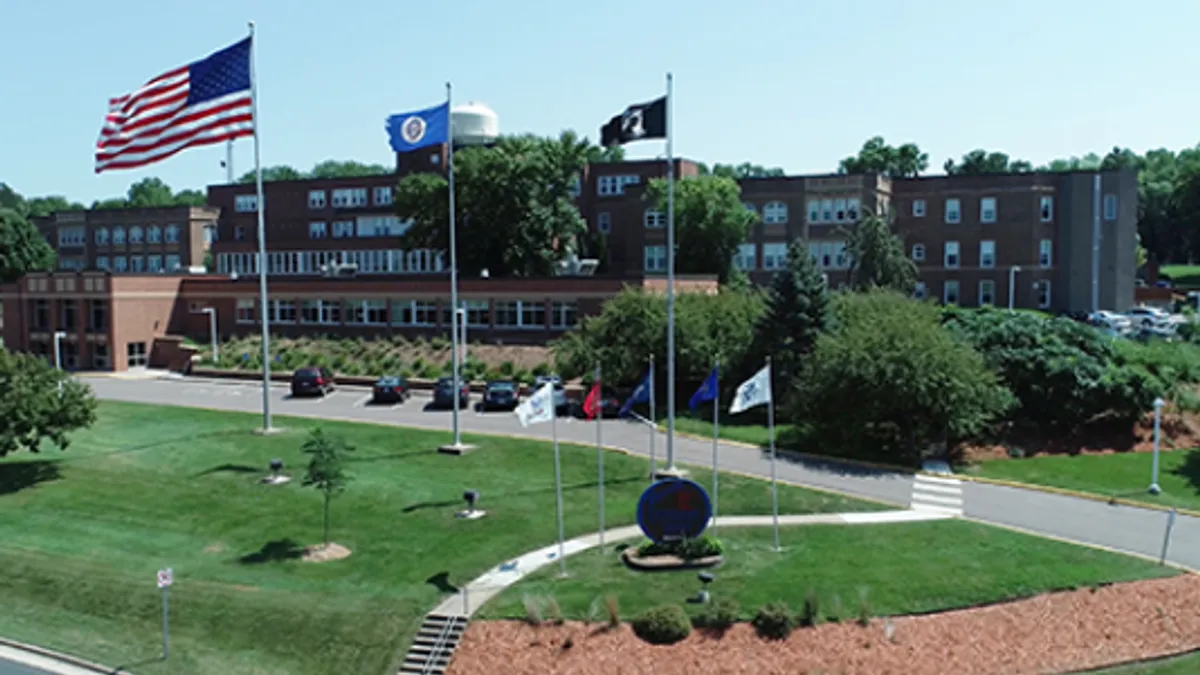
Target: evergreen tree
point(796, 307)
point(878, 259)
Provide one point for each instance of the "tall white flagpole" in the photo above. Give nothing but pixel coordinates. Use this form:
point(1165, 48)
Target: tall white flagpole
point(229, 148)
point(262, 248)
point(716, 436)
point(670, 287)
point(653, 422)
point(455, 358)
point(771, 434)
point(600, 458)
point(558, 491)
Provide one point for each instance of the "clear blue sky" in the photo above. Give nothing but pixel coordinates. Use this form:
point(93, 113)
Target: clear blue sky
point(791, 83)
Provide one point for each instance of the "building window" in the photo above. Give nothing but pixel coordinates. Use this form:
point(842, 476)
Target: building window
point(71, 236)
point(154, 263)
point(424, 313)
point(154, 235)
point(173, 263)
point(563, 315)
point(135, 354)
point(118, 235)
point(987, 292)
point(102, 236)
point(383, 196)
point(1046, 253)
point(41, 314)
point(814, 210)
point(953, 211)
point(119, 264)
point(775, 213)
point(239, 233)
point(826, 210)
point(774, 256)
point(919, 290)
point(918, 252)
point(853, 209)
point(317, 230)
point(245, 203)
point(839, 210)
point(918, 208)
point(316, 199)
point(950, 255)
point(282, 311)
point(1047, 208)
point(1044, 294)
point(172, 233)
point(987, 254)
point(102, 262)
point(607, 186)
point(950, 292)
point(98, 320)
point(1110, 207)
point(343, 229)
point(479, 313)
point(349, 198)
point(137, 264)
point(507, 314)
point(327, 312)
point(987, 209)
point(67, 313)
point(100, 356)
point(135, 235)
point(533, 314)
point(245, 311)
point(655, 259)
point(745, 258)
point(366, 312)
point(604, 222)
point(654, 219)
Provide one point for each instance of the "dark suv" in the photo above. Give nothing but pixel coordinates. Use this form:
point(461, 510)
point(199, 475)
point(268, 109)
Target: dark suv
point(443, 394)
point(312, 382)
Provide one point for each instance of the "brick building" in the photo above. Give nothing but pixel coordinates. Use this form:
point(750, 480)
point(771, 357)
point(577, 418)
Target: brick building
point(137, 241)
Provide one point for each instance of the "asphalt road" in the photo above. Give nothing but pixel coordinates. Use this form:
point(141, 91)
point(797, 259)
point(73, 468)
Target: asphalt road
point(1123, 528)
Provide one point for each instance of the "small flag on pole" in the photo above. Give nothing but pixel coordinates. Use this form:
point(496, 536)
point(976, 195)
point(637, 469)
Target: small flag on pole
point(591, 404)
point(639, 122)
point(640, 395)
point(753, 392)
point(207, 101)
point(708, 391)
point(419, 128)
point(538, 408)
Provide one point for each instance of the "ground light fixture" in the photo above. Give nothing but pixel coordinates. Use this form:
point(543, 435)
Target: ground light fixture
point(705, 578)
point(471, 497)
point(275, 477)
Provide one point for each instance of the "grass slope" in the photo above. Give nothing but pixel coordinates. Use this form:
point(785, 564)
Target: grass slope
point(1188, 664)
point(904, 569)
point(82, 533)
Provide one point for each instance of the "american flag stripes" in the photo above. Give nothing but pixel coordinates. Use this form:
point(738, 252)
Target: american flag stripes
point(207, 101)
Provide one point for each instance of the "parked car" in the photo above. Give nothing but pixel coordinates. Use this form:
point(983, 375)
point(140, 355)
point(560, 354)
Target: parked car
point(312, 381)
point(501, 395)
point(561, 405)
point(390, 389)
point(1148, 316)
point(444, 393)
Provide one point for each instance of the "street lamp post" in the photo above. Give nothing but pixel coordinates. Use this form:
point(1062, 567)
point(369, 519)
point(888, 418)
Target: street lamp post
point(212, 330)
point(1012, 285)
point(58, 338)
point(1158, 406)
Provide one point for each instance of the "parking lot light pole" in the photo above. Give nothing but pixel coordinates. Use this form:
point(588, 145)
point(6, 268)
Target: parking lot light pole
point(1012, 285)
point(1158, 406)
point(212, 330)
point(59, 336)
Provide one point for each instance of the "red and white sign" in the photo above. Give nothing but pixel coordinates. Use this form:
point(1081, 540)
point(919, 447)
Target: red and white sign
point(165, 578)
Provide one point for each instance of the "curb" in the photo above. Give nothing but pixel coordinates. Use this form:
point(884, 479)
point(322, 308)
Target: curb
point(894, 468)
point(64, 658)
point(1066, 492)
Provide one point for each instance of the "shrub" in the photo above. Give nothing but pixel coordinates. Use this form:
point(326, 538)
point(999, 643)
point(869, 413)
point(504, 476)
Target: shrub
point(612, 609)
point(662, 625)
point(439, 343)
point(688, 549)
point(533, 610)
point(864, 607)
point(718, 615)
point(810, 615)
point(774, 621)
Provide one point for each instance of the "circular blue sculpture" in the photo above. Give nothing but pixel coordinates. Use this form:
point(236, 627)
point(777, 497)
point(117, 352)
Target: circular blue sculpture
point(673, 510)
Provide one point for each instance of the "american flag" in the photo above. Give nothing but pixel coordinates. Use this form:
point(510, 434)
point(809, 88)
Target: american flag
point(207, 101)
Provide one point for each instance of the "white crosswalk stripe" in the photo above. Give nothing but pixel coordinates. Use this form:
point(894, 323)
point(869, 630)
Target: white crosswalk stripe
point(935, 493)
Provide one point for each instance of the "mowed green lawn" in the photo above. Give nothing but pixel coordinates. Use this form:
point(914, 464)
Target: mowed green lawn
point(82, 533)
point(1188, 664)
point(1124, 475)
point(901, 568)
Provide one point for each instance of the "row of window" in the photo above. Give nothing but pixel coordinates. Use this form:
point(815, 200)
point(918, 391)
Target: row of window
point(951, 293)
point(341, 198)
point(608, 186)
point(136, 354)
point(139, 263)
point(136, 235)
point(989, 213)
point(952, 256)
point(420, 261)
point(96, 319)
point(363, 226)
point(507, 314)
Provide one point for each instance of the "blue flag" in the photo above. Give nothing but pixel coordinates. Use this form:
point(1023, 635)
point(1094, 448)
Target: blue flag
point(419, 128)
point(640, 395)
point(708, 390)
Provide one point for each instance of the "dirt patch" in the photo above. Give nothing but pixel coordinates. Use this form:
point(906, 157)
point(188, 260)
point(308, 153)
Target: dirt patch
point(215, 548)
point(1178, 431)
point(323, 553)
point(1052, 633)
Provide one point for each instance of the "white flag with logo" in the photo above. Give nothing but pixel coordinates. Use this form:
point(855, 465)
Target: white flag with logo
point(753, 392)
point(539, 407)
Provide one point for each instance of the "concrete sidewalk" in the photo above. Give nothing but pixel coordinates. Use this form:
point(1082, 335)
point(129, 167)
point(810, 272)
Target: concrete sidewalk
point(20, 659)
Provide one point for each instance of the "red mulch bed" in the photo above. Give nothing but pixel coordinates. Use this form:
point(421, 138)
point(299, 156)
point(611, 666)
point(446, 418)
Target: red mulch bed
point(1178, 431)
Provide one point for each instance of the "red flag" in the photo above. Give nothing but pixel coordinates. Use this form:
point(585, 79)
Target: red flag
point(591, 404)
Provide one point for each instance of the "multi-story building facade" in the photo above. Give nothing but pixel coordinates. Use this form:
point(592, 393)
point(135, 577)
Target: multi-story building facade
point(159, 240)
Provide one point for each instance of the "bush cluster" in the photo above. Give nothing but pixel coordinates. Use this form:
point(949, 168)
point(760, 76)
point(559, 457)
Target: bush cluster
point(774, 621)
point(688, 549)
point(717, 615)
point(662, 625)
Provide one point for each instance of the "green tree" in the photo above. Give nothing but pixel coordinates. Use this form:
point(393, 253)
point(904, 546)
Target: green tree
point(878, 259)
point(876, 156)
point(150, 192)
point(982, 162)
point(348, 169)
point(273, 173)
point(740, 171)
point(710, 222)
point(44, 206)
point(514, 202)
point(22, 248)
point(326, 469)
point(190, 198)
point(888, 381)
point(40, 404)
point(795, 315)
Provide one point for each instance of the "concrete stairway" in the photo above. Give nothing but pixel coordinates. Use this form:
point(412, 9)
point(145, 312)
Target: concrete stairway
point(434, 645)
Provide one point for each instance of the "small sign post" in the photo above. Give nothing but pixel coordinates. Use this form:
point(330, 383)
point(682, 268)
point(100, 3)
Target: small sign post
point(165, 579)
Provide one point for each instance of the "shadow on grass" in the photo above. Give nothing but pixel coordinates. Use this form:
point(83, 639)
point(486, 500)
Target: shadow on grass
point(231, 468)
point(189, 438)
point(279, 550)
point(395, 455)
point(500, 496)
point(441, 581)
point(17, 476)
point(1189, 470)
point(125, 668)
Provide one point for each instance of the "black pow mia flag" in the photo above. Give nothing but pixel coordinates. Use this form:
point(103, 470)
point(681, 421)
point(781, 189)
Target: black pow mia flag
point(639, 122)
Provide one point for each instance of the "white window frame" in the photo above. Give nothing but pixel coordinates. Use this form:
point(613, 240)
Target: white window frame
point(826, 210)
point(988, 212)
point(988, 285)
point(563, 314)
point(382, 195)
point(173, 262)
point(102, 262)
point(1110, 207)
point(1044, 294)
point(775, 213)
point(918, 208)
point(118, 235)
point(919, 290)
point(318, 229)
point(839, 210)
point(171, 234)
point(951, 255)
point(918, 252)
point(1046, 253)
point(853, 209)
point(154, 264)
point(604, 222)
point(154, 234)
point(137, 264)
point(814, 210)
point(774, 256)
point(349, 198)
point(746, 257)
point(136, 354)
point(1046, 208)
point(72, 236)
point(245, 311)
point(343, 229)
point(120, 263)
point(101, 236)
point(987, 254)
point(953, 211)
point(654, 219)
point(136, 235)
point(654, 258)
point(316, 199)
point(946, 286)
point(245, 203)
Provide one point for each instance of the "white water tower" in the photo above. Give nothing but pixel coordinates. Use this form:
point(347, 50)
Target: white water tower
point(474, 124)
